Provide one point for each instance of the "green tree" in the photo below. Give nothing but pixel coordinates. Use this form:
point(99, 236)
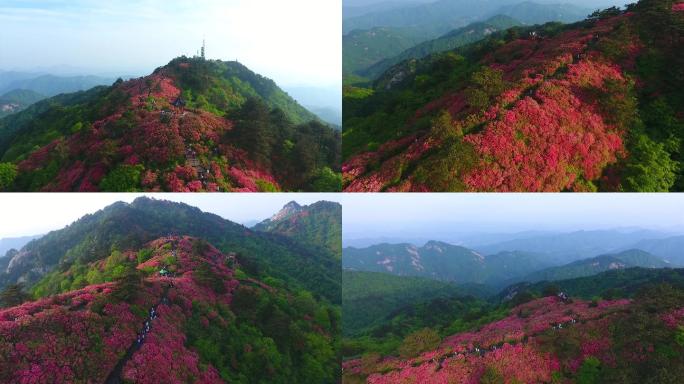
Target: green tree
point(124, 178)
point(418, 342)
point(326, 180)
point(444, 129)
point(13, 295)
point(8, 172)
point(649, 167)
point(253, 131)
point(589, 371)
point(129, 284)
point(486, 84)
point(491, 376)
point(551, 290)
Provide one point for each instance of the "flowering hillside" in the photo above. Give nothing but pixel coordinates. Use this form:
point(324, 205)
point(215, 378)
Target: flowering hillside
point(176, 311)
point(583, 107)
point(551, 340)
point(193, 125)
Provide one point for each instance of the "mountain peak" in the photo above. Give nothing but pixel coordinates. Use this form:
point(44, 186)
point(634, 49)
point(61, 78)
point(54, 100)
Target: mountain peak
point(290, 208)
point(192, 125)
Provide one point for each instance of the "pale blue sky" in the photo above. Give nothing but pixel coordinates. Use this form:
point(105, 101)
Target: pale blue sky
point(420, 215)
point(36, 213)
point(292, 42)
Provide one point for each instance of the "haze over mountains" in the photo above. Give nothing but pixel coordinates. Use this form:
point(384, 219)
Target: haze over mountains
point(378, 35)
point(526, 258)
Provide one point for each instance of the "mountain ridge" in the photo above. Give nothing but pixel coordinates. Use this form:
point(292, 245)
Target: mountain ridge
point(192, 125)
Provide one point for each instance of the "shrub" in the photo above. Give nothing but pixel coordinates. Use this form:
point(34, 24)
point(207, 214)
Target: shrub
point(418, 342)
point(8, 172)
point(124, 178)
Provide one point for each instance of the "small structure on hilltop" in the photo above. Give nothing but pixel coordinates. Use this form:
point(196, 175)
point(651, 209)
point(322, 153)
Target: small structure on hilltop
point(179, 102)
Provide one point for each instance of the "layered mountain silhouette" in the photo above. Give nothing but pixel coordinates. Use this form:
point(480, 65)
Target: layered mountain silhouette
point(192, 125)
point(442, 261)
point(445, 262)
point(587, 267)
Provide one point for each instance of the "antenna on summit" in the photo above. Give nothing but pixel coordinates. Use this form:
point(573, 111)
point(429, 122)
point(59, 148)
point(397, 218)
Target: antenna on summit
point(203, 48)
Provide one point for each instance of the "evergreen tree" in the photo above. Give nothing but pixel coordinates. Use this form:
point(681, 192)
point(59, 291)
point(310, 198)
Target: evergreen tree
point(13, 295)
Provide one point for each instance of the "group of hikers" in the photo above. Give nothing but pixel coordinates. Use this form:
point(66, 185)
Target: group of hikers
point(147, 325)
point(482, 351)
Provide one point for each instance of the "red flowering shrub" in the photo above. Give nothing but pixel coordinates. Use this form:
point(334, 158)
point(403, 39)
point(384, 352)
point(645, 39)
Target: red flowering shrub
point(545, 132)
point(515, 348)
point(81, 335)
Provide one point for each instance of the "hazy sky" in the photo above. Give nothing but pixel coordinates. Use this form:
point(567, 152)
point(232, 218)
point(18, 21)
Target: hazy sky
point(355, 3)
point(31, 214)
point(420, 215)
point(292, 41)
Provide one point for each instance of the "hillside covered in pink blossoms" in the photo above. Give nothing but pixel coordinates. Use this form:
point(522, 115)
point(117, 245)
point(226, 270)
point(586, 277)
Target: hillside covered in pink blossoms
point(179, 311)
point(193, 125)
point(583, 107)
point(551, 340)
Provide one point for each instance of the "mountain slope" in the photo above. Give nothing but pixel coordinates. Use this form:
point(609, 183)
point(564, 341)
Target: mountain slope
point(124, 226)
point(609, 284)
point(368, 297)
point(8, 243)
point(193, 125)
point(364, 48)
point(549, 340)
point(442, 16)
point(441, 261)
point(17, 100)
point(199, 324)
point(670, 249)
point(318, 225)
point(454, 39)
point(563, 247)
point(627, 259)
point(546, 108)
point(51, 85)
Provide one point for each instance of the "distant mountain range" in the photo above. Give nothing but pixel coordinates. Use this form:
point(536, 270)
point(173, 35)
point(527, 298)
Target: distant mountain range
point(49, 85)
point(442, 261)
point(565, 247)
point(595, 265)
point(375, 41)
point(512, 261)
point(454, 39)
